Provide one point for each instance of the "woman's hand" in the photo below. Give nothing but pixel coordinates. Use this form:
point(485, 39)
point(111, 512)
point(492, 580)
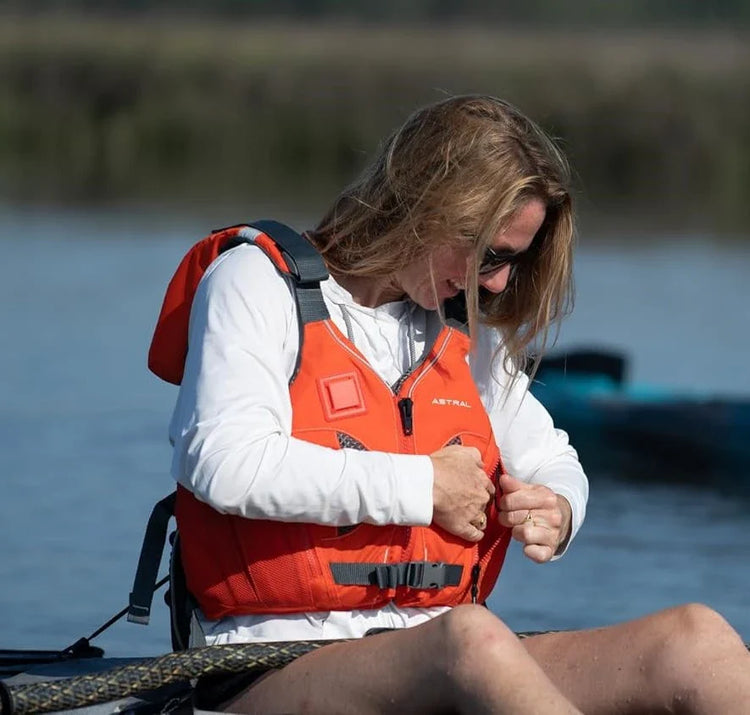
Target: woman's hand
point(540, 519)
point(461, 491)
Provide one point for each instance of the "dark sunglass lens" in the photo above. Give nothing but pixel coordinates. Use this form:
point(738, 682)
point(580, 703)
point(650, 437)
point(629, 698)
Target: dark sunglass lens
point(492, 261)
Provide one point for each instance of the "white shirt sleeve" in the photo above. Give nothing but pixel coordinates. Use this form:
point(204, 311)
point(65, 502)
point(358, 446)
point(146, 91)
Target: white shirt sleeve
point(231, 427)
point(532, 449)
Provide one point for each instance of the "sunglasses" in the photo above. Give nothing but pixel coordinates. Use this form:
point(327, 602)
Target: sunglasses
point(494, 260)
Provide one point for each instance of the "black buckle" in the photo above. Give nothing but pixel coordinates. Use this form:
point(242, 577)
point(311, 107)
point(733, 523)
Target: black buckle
point(414, 574)
point(425, 574)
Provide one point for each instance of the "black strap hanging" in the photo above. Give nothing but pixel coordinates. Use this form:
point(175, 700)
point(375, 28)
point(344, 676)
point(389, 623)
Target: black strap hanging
point(139, 609)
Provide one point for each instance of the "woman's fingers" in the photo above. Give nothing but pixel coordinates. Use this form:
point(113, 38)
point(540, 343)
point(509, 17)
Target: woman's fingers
point(549, 517)
point(538, 553)
point(461, 492)
point(532, 497)
point(538, 538)
point(539, 518)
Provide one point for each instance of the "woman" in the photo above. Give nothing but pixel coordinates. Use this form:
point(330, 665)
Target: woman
point(340, 474)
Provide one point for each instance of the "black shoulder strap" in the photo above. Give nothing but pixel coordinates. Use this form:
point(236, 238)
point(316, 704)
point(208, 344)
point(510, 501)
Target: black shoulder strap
point(303, 259)
point(306, 266)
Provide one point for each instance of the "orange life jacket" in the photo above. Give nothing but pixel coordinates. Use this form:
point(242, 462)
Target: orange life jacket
point(236, 566)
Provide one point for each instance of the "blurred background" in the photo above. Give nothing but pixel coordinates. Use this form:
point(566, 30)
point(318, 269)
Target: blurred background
point(129, 129)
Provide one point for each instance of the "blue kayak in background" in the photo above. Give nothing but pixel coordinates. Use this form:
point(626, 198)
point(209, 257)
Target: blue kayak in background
point(639, 431)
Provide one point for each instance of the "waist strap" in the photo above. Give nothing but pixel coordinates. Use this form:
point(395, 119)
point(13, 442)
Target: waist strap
point(414, 574)
point(139, 609)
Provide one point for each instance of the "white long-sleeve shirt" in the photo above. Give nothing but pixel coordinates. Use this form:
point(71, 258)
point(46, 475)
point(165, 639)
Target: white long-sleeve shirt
point(231, 428)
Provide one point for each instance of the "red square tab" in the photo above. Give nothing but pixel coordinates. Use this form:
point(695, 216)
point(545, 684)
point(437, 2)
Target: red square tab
point(341, 396)
point(344, 394)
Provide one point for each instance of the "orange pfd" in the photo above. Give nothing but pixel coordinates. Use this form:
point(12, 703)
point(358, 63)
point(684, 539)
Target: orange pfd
point(235, 565)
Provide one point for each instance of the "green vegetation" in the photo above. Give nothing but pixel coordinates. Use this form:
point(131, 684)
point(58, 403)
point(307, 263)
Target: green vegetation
point(152, 109)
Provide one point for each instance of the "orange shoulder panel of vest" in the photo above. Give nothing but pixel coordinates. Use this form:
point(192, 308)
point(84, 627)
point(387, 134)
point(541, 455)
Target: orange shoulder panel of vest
point(168, 349)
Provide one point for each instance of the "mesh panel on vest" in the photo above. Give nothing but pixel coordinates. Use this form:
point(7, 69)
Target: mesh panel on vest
point(348, 442)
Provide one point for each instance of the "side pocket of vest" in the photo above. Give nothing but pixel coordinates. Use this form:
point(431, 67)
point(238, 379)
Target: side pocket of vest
point(281, 564)
point(244, 588)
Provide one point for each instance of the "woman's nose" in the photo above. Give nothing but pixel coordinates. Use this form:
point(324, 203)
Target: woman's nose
point(496, 281)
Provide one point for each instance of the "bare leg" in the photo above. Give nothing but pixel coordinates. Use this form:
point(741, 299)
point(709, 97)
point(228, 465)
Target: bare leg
point(683, 660)
point(466, 661)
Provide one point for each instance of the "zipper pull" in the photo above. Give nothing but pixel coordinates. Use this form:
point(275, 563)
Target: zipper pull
point(475, 571)
point(495, 475)
point(405, 406)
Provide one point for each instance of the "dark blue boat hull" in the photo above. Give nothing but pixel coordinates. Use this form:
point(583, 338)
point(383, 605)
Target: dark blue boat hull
point(651, 435)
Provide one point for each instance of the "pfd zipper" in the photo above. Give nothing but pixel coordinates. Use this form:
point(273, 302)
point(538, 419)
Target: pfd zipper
point(405, 409)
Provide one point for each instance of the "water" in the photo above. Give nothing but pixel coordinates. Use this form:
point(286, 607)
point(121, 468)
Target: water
point(85, 454)
point(680, 305)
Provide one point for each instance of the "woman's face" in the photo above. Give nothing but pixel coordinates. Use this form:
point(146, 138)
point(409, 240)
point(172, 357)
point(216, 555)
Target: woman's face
point(442, 275)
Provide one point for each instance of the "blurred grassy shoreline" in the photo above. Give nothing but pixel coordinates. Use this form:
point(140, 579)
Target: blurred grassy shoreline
point(101, 110)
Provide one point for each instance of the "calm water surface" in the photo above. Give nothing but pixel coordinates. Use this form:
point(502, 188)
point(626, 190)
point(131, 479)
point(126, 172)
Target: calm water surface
point(83, 429)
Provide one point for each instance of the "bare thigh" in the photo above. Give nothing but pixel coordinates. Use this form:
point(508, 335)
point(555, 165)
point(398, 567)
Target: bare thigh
point(368, 675)
point(684, 659)
point(465, 661)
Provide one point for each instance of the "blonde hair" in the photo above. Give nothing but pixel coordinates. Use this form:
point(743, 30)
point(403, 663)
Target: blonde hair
point(456, 171)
